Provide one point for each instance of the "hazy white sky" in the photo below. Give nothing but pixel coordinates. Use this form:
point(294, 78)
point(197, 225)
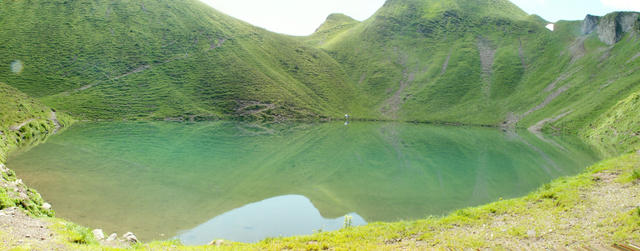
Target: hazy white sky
point(294, 17)
point(302, 17)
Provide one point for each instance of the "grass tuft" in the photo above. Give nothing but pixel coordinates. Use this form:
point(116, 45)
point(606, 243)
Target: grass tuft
point(636, 174)
point(77, 234)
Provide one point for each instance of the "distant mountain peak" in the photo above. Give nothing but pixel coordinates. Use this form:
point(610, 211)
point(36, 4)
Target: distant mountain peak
point(336, 20)
point(339, 17)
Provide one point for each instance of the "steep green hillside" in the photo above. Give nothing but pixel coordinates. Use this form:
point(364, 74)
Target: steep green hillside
point(455, 61)
point(24, 120)
point(487, 62)
point(618, 130)
point(420, 60)
point(161, 59)
point(23, 123)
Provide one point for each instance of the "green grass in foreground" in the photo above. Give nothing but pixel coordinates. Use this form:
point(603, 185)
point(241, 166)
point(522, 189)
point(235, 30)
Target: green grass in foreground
point(542, 210)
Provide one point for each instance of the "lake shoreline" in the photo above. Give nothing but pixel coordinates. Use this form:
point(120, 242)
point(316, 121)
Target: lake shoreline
point(455, 227)
point(383, 171)
point(599, 208)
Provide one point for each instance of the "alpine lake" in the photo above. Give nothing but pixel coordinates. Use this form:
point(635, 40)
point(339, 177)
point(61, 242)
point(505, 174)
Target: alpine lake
point(198, 182)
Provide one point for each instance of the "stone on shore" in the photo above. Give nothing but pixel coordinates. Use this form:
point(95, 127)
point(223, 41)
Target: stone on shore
point(216, 243)
point(98, 234)
point(112, 237)
point(130, 237)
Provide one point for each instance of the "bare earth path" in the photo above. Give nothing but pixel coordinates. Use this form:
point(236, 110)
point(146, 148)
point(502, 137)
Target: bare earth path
point(20, 230)
point(19, 126)
point(54, 118)
point(487, 55)
point(592, 222)
point(392, 105)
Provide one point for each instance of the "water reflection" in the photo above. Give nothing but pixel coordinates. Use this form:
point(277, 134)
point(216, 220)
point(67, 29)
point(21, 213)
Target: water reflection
point(157, 179)
point(281, 216)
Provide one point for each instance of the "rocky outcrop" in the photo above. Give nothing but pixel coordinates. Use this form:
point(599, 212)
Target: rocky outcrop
point(112, 237)
point(590, 24)
point(612, 27)
point(98, 234)
point(130, 237)
point(17, 194)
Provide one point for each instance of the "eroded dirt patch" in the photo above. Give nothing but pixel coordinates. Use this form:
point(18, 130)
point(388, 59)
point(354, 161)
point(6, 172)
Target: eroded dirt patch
point(19, 230)
point(590, 223)
point(487, 55)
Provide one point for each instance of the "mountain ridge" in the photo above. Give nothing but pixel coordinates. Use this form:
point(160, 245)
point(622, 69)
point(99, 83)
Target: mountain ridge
point(516, 62)
point(443, 61)
point(159, 59)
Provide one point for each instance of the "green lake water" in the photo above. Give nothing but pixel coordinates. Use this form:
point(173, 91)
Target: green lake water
point(226, 180)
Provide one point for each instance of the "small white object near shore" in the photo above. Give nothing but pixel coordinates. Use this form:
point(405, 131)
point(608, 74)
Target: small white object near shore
point(46, 206)
point(130, 237)
point(216, 243)
point(98, 234)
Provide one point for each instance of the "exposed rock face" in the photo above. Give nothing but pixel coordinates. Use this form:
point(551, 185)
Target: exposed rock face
point(612, 27)
point(629, 21)
point(590, 24)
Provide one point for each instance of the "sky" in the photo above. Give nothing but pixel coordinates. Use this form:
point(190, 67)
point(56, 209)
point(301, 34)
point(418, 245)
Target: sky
point(303, 17)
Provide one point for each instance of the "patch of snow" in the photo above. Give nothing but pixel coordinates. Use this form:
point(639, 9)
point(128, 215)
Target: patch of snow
point(551, 27)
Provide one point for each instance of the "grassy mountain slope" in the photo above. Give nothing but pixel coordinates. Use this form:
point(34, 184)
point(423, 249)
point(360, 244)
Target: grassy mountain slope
point(617, 130)
point(455, 61)
point(24, 120)
point(332, 27)
point(159, 59)
point(23, 123)
point(592, 78)
point(425, 53)
point(483, 62)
